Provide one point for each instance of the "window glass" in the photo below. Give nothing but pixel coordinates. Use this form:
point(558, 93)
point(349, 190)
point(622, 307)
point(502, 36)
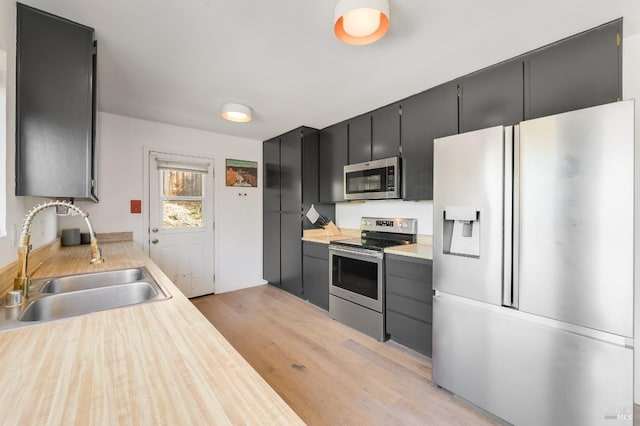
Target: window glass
point(182, 199)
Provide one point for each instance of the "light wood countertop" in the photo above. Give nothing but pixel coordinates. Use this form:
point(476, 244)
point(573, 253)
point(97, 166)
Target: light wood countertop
point(324, 239)
point(318, 235)
point(155, 363)
point(422, 251)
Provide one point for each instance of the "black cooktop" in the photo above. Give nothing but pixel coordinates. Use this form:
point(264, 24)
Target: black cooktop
point(373, 243)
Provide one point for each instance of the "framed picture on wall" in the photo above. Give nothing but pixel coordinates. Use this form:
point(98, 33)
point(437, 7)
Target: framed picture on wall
point(242, 173)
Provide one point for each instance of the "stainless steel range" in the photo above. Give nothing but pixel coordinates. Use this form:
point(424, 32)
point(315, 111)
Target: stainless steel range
point(356, 273)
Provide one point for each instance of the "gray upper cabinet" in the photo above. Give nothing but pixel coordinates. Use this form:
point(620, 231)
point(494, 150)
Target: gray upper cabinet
point(334, 155)
point(425, 116)
point(360, 139)
point(291, 171)
point(55, 106)
point(375, 135)
point(385, 132)
point(310, 164)
point(271, 164)
point(578, 72)
point(492, 97)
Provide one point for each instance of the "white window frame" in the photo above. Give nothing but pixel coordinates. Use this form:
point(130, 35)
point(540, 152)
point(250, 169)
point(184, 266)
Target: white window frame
point(202, 198)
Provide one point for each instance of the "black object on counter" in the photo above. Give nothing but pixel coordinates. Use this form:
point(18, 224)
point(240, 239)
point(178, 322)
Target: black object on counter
point(323, 220)
point(70, 237)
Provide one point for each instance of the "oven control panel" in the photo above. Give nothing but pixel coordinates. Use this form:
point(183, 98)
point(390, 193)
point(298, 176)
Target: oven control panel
point(395, 225)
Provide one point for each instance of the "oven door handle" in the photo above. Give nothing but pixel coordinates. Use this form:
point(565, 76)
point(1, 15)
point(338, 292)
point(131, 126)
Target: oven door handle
point(363, 254)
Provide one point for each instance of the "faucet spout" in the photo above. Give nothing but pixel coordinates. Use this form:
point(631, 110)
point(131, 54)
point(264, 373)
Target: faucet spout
point(22, 280)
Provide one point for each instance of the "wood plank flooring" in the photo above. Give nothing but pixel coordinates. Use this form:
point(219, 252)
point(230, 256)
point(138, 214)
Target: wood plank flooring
point(327, 372)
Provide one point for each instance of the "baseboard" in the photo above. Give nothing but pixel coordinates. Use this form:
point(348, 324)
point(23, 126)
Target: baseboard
point(114, 237)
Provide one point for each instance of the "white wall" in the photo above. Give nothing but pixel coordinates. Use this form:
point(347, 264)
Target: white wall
point(44, 225)
point(238, 234)
point(631, 90)
point(348, 214)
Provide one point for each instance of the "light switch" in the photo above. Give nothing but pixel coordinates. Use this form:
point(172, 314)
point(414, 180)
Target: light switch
point(136, 206)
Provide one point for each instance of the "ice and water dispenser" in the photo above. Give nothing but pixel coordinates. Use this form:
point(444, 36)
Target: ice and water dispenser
point(461, 233)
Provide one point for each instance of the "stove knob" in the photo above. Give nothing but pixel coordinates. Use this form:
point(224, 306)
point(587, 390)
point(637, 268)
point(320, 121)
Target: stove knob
point(405, 225)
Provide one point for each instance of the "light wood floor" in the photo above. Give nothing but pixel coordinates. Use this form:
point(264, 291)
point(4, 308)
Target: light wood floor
point(329, 373)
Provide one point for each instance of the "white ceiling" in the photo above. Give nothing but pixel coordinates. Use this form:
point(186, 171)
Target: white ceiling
point(178, 61)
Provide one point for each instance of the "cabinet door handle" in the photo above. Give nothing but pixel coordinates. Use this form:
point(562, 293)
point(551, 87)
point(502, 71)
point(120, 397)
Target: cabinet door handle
point(154, 241)
point(154, 230)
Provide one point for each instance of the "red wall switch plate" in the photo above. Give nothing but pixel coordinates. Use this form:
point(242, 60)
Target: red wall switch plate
point(136, 206)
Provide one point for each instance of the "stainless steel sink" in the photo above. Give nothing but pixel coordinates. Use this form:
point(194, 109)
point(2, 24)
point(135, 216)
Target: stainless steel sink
point(74, 303)
point(62, 297)
point(87, 281)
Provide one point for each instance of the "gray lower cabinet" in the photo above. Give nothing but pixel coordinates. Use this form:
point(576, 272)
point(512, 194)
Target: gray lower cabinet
point(315, 273)
point(290, 251)
point(271, 253)
point(409, 301)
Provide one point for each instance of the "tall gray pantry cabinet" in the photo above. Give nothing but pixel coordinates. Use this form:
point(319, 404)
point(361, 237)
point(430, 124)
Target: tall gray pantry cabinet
point(290, 187)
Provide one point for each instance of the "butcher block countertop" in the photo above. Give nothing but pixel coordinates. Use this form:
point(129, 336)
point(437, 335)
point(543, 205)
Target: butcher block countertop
point(323, 237)
point(155, 363)
point(420, 250)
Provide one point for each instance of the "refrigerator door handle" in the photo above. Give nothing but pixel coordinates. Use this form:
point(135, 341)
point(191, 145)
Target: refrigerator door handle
point(507, 293)
point(515, 224)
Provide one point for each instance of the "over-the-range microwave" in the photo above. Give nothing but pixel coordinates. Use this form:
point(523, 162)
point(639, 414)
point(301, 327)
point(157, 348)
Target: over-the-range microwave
point(373, 180)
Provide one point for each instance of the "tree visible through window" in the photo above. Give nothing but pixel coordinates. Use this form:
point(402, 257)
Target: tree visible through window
point(182, 199)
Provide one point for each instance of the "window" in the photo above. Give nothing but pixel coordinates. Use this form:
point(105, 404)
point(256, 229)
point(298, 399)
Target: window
point(182, 193)
point(182, 199)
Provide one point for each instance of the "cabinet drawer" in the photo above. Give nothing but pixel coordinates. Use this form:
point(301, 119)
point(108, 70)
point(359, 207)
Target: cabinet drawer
point(321, 251)
point(415, 289)
point(411, 333)
point(410, 307)
point(408, 267)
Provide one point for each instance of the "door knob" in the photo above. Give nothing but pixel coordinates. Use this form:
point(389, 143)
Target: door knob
point(154, 241)
point(154, 230)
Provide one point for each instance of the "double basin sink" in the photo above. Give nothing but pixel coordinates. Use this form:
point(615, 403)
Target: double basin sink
point(67, 296)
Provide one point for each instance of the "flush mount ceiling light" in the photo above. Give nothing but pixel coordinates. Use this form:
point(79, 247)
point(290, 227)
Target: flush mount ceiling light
point(236, 112)
point(361, 21)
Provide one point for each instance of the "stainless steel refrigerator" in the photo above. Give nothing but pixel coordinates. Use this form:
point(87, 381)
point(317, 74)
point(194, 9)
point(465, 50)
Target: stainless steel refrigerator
point(533, 267)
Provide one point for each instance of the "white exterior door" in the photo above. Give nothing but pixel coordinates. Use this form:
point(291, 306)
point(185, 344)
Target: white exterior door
point(181, 224)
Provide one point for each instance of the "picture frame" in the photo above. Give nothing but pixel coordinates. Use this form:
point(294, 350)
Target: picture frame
point(241, 173)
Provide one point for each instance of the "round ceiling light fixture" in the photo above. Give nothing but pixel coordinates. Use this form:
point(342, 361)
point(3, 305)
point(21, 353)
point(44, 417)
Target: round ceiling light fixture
point(361, 21)
point(236, 112)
